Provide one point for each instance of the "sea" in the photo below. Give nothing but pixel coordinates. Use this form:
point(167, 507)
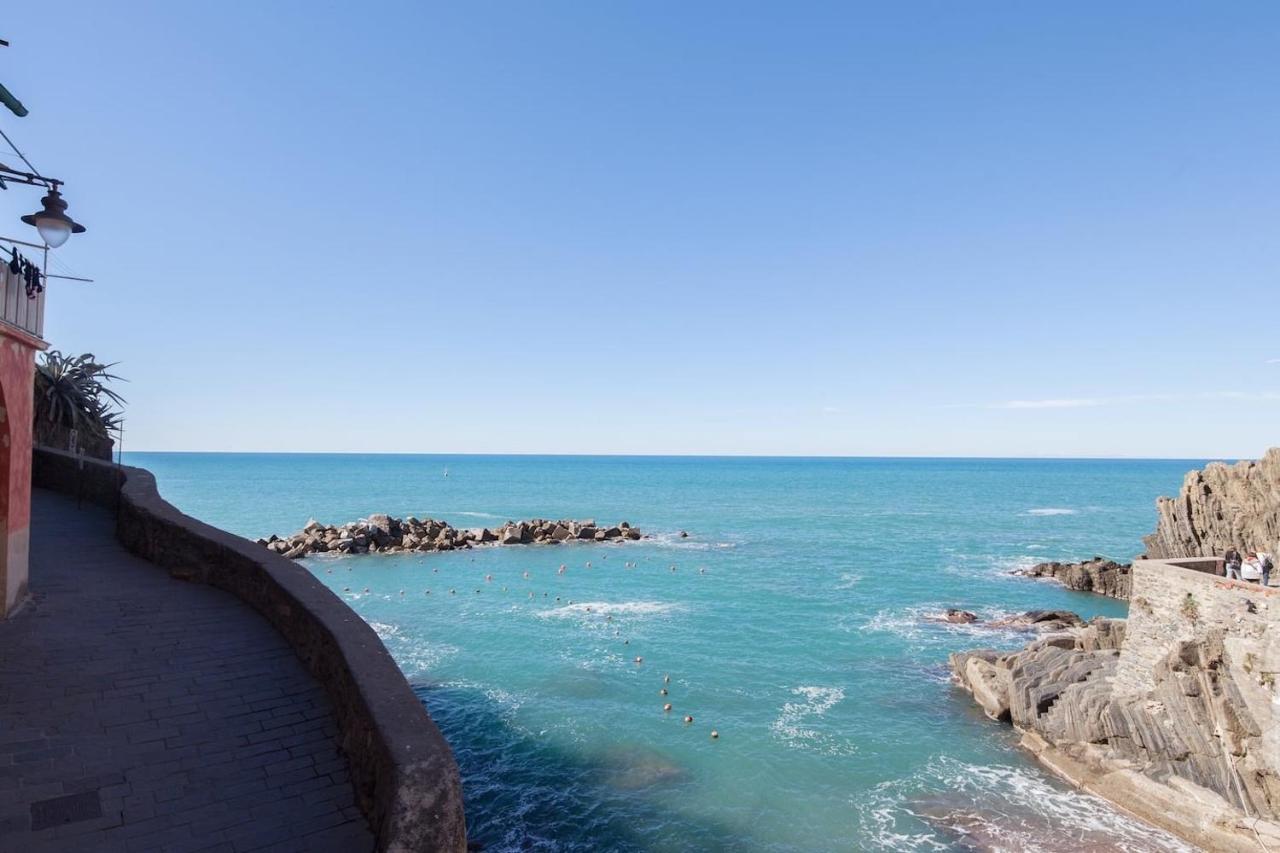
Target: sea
point(795, 620)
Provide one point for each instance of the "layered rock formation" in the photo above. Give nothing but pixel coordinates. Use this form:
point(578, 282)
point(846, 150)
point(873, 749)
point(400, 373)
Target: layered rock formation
point(1197, 754)
point(1221, 506)
point(1099, 575)
point(384, 534)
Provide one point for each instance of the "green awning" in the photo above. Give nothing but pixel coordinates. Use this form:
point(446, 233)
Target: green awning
point(15, 106)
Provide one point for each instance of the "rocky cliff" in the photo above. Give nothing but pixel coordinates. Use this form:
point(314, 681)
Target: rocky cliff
point(1195, 751)
point(1099, 575)
point(1220, 506)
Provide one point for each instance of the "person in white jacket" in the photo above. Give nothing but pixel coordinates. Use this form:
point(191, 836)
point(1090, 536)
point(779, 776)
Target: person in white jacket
point(1251, 568)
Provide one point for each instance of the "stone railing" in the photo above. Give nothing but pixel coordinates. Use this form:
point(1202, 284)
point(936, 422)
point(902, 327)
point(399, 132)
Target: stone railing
point(406, 780)
point(1206, 565)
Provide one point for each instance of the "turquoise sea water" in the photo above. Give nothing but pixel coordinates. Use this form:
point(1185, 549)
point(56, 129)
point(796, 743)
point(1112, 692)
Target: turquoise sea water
point(793, 620)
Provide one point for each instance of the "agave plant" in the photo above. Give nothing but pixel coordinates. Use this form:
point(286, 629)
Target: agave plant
point(71, 392)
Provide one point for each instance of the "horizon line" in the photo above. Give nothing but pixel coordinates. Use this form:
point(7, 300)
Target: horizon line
point(721, 455)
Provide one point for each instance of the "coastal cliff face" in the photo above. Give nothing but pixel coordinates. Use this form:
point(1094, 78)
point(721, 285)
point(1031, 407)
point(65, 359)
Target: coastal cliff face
point(1172, 715)
point(1220, 506)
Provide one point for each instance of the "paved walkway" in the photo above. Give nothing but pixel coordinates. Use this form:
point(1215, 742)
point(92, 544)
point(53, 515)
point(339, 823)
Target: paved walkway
point(138, 712)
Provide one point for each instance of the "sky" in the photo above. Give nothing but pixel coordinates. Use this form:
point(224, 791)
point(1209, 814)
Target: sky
point(917, 228)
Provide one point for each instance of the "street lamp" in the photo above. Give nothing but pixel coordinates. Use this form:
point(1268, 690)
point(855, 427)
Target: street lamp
point(52, 221)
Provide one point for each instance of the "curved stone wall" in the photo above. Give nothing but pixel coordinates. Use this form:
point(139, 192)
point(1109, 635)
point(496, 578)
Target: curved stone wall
point(405, 776)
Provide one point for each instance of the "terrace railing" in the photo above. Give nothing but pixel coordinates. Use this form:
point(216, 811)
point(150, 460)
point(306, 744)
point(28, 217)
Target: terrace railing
point(17, 308)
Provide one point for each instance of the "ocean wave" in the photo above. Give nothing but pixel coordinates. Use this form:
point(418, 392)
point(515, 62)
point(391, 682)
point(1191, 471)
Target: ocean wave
point(610, 608)
point(817, 701)
point(1052, 510)
point(998, 808)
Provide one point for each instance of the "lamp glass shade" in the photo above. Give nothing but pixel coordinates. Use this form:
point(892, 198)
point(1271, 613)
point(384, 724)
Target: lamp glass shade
point(53, 231)
point(52, 221)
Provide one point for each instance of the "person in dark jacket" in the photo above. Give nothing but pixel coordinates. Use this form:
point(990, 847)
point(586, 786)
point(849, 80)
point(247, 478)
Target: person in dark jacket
point(1231, 563)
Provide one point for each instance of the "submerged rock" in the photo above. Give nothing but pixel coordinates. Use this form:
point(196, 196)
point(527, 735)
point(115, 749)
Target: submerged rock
point(630, 768)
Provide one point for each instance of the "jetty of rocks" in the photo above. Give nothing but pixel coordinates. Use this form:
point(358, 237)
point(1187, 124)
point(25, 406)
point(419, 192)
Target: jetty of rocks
point(383, 534)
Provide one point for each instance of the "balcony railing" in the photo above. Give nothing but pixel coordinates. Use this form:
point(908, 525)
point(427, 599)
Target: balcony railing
point(18, 309)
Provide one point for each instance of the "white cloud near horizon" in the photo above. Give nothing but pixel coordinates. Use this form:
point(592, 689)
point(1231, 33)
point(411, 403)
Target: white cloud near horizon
point(1094, 402)
point(1047, 404)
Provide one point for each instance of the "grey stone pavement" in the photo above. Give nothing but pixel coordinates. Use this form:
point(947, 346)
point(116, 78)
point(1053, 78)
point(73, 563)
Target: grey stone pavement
point(138, 712)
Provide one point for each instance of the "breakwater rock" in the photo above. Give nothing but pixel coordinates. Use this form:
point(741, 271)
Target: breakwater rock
point(1099, 575)
point(1196, 754)
point(1218, 507)
point(385, 534)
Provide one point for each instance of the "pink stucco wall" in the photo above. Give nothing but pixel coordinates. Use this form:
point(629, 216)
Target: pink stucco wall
point(17, 364)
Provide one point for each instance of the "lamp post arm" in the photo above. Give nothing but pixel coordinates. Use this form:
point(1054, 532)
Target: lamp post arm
point(28, 178)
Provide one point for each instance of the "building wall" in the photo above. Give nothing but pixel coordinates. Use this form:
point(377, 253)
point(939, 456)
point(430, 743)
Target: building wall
point(17, 365)
point(1171, 604)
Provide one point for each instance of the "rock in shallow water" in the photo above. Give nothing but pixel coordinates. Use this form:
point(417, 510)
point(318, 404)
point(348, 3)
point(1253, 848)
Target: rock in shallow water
point(1099, 575)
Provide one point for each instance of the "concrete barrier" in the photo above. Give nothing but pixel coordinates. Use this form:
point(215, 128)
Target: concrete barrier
point(405, 777)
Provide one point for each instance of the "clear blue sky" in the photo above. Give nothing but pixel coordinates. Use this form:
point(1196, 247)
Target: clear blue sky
point(794, 228)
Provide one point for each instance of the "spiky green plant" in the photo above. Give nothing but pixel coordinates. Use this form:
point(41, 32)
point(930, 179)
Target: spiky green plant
point(72, 392)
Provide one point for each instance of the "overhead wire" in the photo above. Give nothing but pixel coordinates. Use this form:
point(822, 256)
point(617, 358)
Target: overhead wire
point(17, 151)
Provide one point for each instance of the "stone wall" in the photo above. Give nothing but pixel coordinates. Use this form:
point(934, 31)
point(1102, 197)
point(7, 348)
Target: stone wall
point(1173, 604)
point(1173, 717)
point(406, 780)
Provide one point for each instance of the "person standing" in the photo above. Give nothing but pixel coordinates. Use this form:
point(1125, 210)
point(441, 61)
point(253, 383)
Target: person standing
point(1251, 568)
point(1231, 563)
point(1267, 565)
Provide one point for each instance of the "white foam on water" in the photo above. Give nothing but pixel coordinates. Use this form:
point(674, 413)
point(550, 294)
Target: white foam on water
point(610, 608)
point(1002, 809)
point(415, 657)
point(926, 621)
point(1019, 564)
point(816, 702)
point(676, 541)
point(849, 580)
point(1052, 510)
point(506, 702)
